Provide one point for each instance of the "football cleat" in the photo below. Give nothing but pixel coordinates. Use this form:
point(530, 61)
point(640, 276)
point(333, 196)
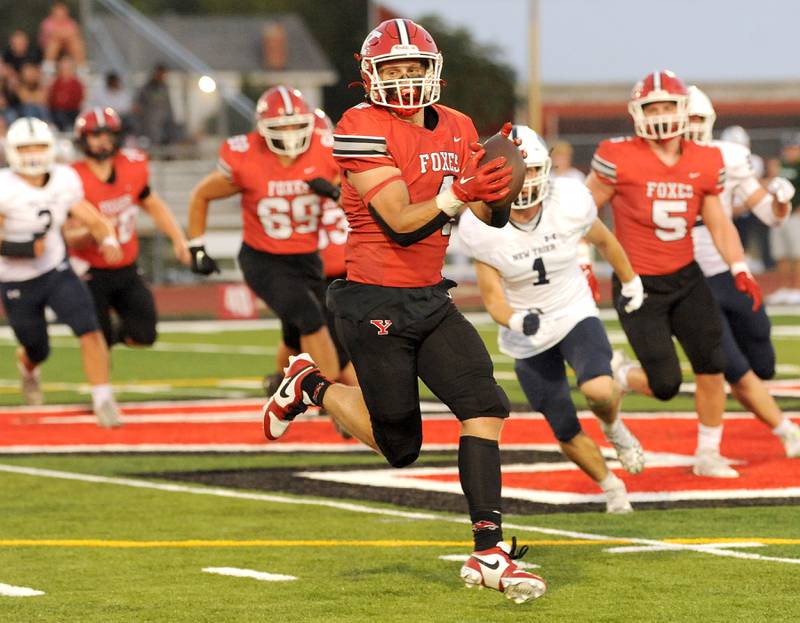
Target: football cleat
point(617, 502)
point(29, 383)
point(287, 401)
point(711, 464)
point(495, 568)
point(791, 442)
point(629, 450)
point(620, 364)
point(107, 414)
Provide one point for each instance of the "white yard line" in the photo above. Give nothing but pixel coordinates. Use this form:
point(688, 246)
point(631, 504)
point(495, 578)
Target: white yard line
point(249, 573)
point(8, 590)
point(361, 508)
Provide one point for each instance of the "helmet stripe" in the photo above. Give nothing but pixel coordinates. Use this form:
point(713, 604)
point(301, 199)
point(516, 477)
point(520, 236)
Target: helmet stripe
point(100, 117)
point(402, 31)
point(287, 101)
point(657, 81)
point(31, 129)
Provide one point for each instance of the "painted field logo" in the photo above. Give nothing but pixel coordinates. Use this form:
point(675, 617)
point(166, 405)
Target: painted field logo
point(383, 326)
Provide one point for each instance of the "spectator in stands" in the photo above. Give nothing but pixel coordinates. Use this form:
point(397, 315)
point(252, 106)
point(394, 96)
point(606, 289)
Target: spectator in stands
point(60, 34)
point(8, 97)
point(154, 109)
point(786, 240)
point(561, 154)
point(113, 94)
point(18, 52)
point(32, 93)
point(66, 95)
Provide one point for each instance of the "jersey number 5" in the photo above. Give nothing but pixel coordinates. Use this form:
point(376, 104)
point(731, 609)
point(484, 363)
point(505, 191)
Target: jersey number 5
point(669, 226)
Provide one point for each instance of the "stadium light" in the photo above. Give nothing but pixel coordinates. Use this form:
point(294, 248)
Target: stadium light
point(207, 84)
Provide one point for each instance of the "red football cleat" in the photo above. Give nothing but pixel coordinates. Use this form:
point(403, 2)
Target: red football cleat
point(287, 401)
point(495, 568)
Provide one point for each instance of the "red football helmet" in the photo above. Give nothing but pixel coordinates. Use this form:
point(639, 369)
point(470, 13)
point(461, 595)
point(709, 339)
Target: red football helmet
point(95, 121)
point(401, 39)
point(285, 121)
point(660, 86)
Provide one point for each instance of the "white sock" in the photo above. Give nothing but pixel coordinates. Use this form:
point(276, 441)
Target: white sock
point(609, 482)
point(708, 437)
point(786, 427)
point(101, 393)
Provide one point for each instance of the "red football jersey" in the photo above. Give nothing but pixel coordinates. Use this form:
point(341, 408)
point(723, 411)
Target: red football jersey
point(280, 213)
point(429, 160)
point(332, 238)
point(118, 200)
point(656, 206)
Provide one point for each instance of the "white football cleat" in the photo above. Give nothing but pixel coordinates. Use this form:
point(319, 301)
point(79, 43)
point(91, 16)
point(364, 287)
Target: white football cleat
point(617, 502)
point(629, 450)
point(107, 414)
point(495, 568)
point(791, 442)
point(30, 387)
point(620, 364)
point(711, 464)
point(287, 402)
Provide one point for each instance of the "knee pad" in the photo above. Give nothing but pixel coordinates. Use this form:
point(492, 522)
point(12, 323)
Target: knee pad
point(764, 367)
point(140, 335)
point(399, 439)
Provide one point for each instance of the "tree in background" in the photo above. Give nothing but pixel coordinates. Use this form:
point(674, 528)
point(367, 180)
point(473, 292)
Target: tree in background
point(478, 82)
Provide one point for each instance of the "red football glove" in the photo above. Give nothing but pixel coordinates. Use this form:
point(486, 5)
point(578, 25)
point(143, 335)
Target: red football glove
point(595, 287)
point(487, 183)
point(745, 283)
point(506, 131)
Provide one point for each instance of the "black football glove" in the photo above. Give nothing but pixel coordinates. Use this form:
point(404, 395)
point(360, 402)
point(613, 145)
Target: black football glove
point(202, 262)
point(324, 188)
point(524, 322)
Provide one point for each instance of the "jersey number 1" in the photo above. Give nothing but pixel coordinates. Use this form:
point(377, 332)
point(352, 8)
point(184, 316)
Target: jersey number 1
point(541, 272)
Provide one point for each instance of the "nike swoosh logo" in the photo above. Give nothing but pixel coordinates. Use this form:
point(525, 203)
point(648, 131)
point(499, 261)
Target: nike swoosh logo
point(464, 180)
point(282, 393)
point(308, 170)
point(456, 139)
point(487, 565)
point(693, 175)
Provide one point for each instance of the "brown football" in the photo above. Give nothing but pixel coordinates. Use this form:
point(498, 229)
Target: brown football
point(499, 145)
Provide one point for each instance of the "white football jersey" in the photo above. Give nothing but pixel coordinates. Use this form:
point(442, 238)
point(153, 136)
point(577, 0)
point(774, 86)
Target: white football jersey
point(27, 210)
point(539, 265)
point(741, 182)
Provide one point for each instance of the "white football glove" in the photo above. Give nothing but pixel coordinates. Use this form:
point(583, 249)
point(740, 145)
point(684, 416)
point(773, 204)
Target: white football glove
point(782, 189)
point(632, 295)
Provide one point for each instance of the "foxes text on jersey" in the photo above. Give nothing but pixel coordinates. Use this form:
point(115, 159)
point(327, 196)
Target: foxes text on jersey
point(28, 211)
point(539, 266)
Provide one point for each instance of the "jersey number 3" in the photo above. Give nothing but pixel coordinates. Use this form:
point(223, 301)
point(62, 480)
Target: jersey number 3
point(670, 225)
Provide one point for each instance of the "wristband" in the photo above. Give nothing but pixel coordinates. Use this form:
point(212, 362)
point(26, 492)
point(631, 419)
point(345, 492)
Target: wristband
point(200, 241)
point(739, 267)
point(110, 241)
point(448, 203)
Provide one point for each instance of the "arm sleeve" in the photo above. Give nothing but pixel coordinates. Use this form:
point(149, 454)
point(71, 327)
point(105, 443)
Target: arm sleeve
point(406, 239)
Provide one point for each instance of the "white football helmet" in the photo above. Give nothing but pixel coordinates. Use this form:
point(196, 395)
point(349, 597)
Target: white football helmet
point(700, 106)
point(736, 134)
point(538, 162)
point(30, 131)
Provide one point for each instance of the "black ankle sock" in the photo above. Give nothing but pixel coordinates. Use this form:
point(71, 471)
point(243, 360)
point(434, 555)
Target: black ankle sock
point(314, 387)
point(479, 472)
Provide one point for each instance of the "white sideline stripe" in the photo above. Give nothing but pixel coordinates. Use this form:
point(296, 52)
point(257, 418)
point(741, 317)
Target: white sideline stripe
point(464, 558)
point(361, 508)
point(249, 573)
point(633, 549)
point(7, 590)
